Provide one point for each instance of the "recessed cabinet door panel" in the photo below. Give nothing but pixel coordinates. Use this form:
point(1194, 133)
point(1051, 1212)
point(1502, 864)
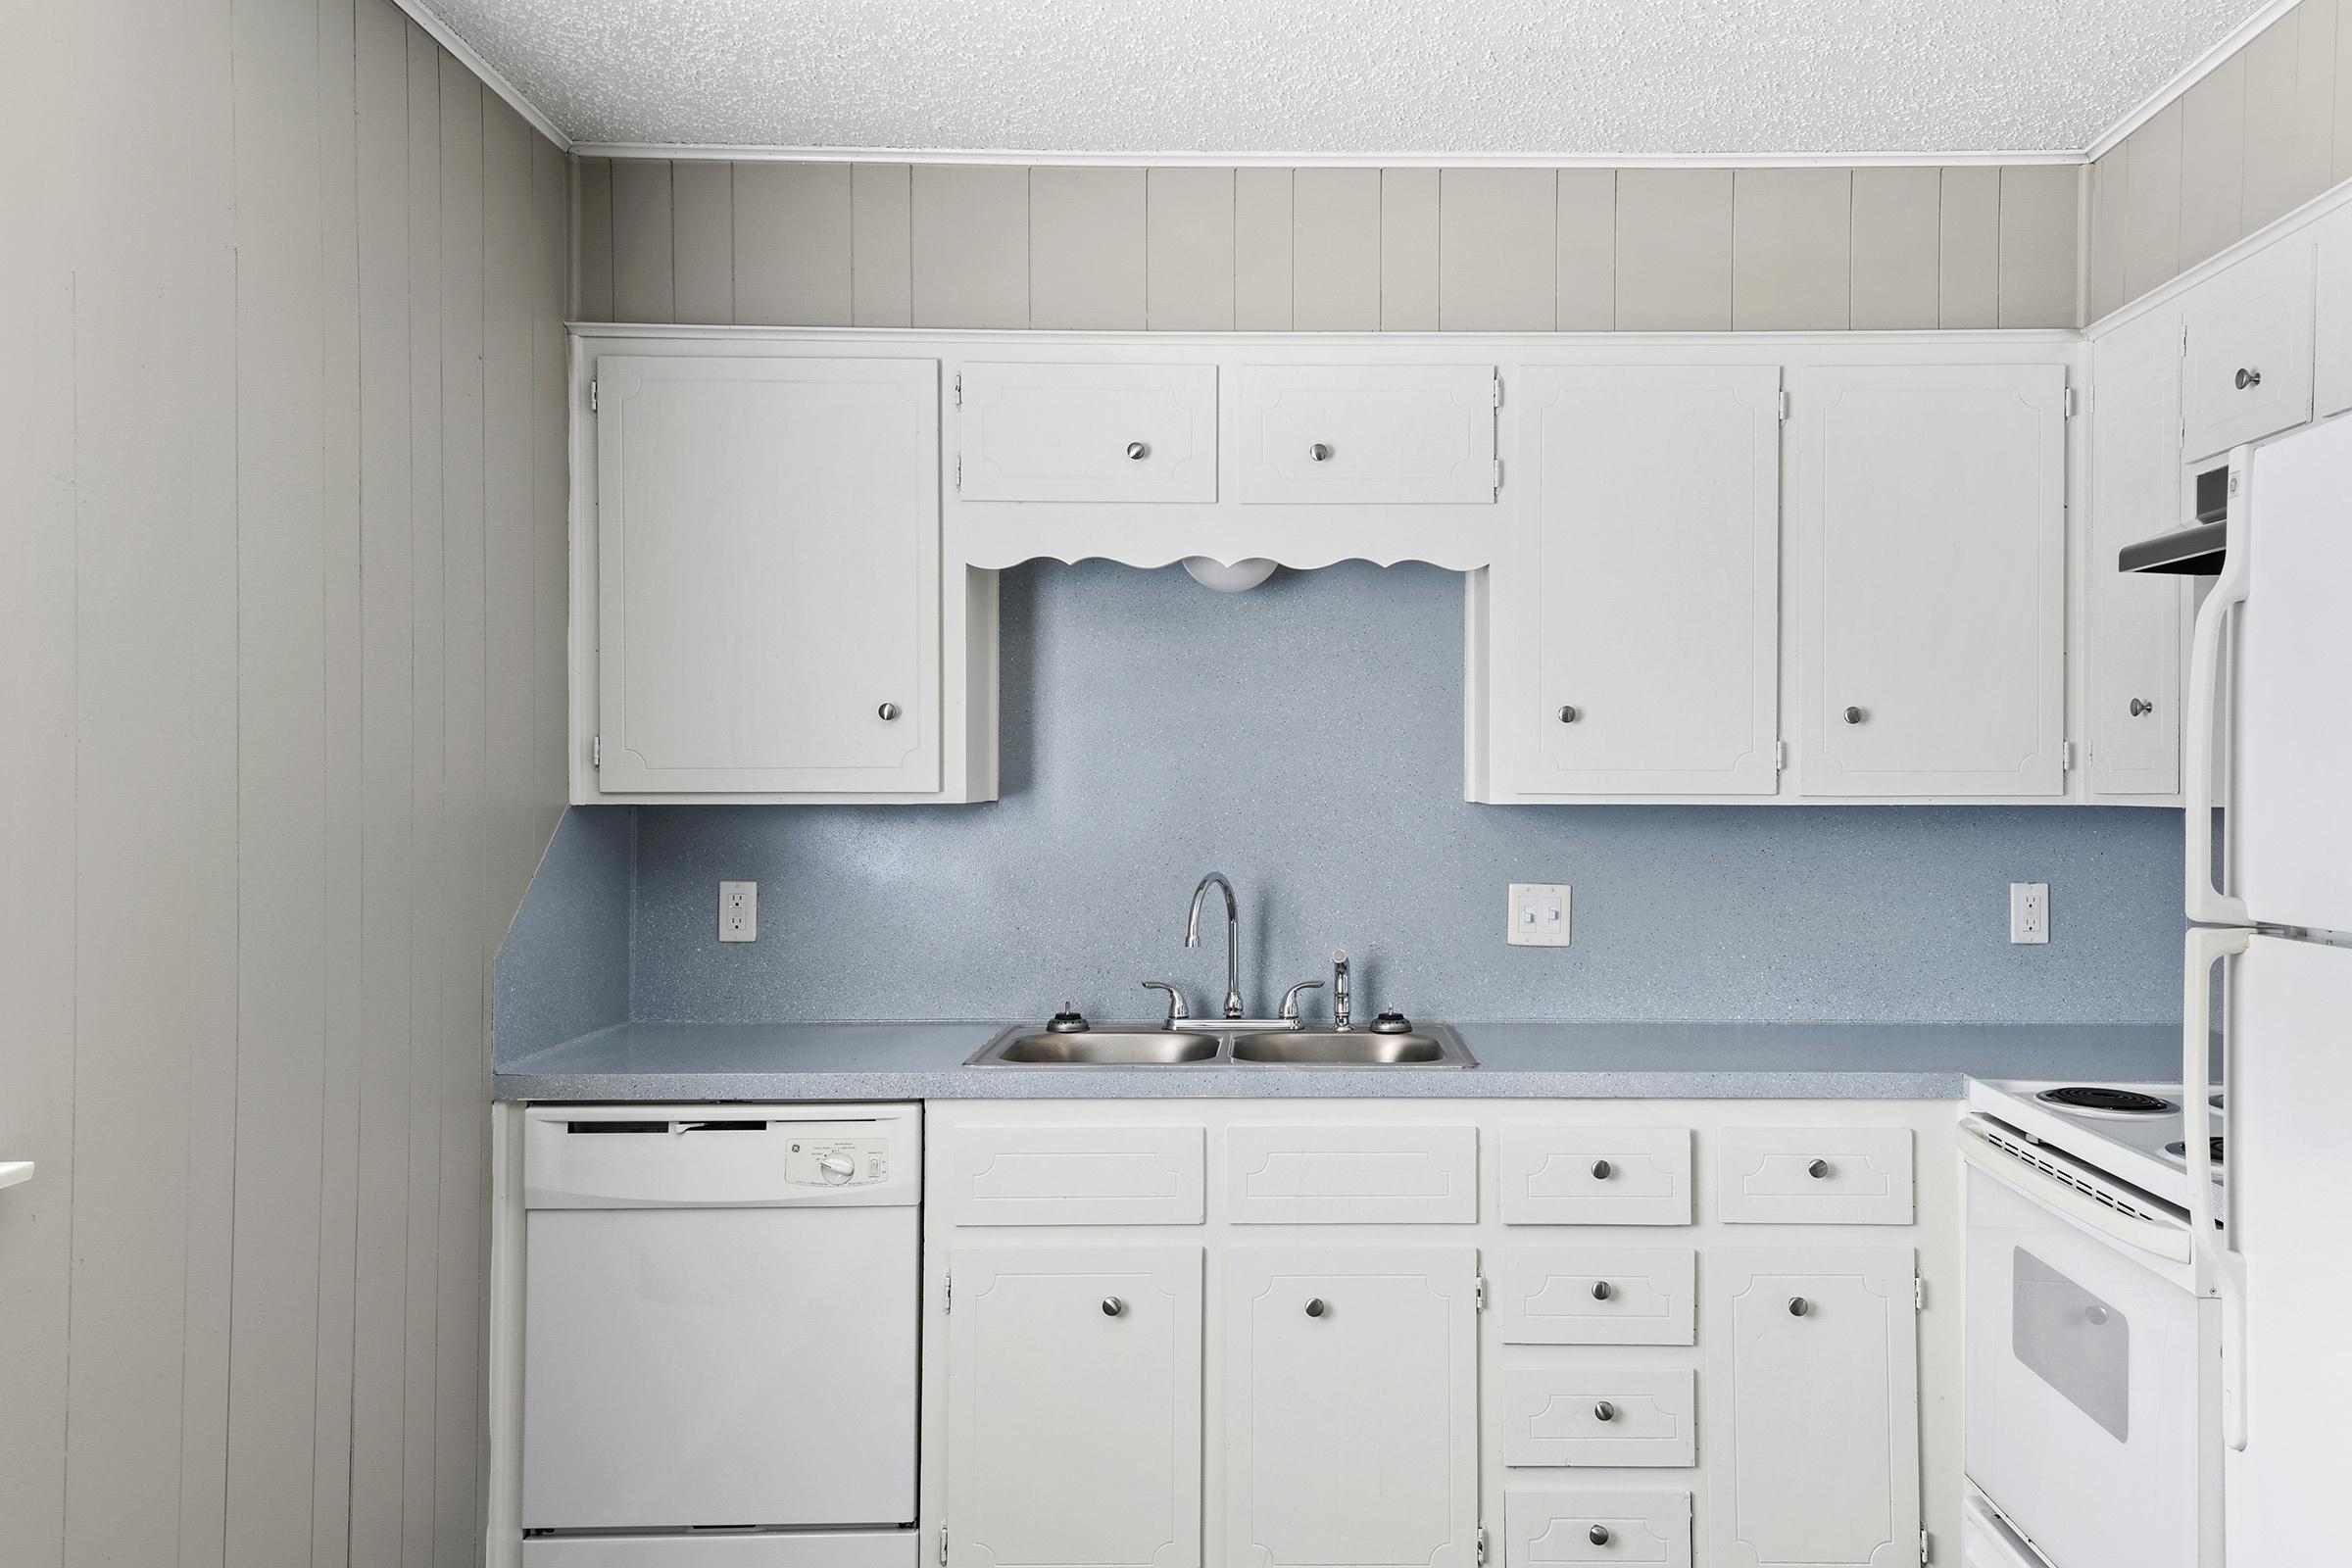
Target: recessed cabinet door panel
point(1932, 527)
point(1598, 1416)
point(1596, 1295)
point(2133, 726)
point(1089, 432)
point(1813, 1408)
point(1652, 511)
point(1592, 1525)
point(1351, 1408)
point(1595, 1175)
point(2247, 371)
point(1814, 1176)
point(1358, 433)
point(768, 574)
point(1074, 1407)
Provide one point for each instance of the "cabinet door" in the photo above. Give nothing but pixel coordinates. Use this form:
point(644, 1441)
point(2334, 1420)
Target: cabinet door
point(1089, 432)
point(2247, 369)
point(1356, 434)
point(1074, 1407)
point(1813, 1408)
point(1931, 525)
point(768, 550)
point(2332, 322)
point(2133, 729)
point(1351, 1408)
point(1650, 527)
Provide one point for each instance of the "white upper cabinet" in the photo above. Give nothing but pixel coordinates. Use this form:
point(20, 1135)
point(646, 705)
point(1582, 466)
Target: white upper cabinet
point(1367, 433)
point(1645, 548)
point(2133, 621)
point(2331, 317)
point(2247, 369)
point(1930, 527)
point(1088, 432)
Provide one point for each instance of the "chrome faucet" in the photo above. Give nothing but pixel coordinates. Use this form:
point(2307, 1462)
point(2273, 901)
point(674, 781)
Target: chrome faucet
point(1233, 938)
point(1338, 990)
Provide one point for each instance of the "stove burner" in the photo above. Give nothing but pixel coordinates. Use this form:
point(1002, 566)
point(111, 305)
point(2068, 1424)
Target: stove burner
point(2215, 1101)
point(2105, 1102)
point(2180, 1151)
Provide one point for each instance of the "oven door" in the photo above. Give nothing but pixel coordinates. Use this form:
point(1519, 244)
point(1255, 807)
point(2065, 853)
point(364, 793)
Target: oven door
point(2081, 1383)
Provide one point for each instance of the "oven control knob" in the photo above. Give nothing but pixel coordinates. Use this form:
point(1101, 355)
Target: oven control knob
point(836, 1169)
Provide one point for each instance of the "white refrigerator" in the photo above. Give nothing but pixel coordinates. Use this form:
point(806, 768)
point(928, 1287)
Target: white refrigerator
point(2270, 739)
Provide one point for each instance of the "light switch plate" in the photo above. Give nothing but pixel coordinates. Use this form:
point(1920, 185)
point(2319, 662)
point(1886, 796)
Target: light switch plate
point(2030, 911)
point(739, 911)
point(1539, 915)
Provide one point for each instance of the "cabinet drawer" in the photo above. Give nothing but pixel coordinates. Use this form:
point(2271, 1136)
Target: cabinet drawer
point(1352, 1175)
point(1814, 1176)
point(2256, 317)
point(1597, 1176)
point(1357, 433)
point(1600, 1416)
point(1596, 1295)
point(1089, 432)
point(1076, 1176)
point(1616, 1526)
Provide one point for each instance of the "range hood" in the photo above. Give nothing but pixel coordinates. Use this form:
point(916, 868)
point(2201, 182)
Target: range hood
point(2195, 551)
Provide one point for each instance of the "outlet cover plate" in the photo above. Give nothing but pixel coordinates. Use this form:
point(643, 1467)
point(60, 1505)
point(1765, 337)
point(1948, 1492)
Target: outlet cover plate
point(739, 911)
point(1539, 915)
point(2029, 912)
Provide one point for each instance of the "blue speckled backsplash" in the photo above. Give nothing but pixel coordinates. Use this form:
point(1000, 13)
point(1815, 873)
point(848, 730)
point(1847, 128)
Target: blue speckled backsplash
point(1306, 739)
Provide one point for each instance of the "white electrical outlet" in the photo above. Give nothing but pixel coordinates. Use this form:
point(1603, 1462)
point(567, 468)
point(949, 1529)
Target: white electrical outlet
point(1539, 915)
point(2030, 911)
point(739, 911)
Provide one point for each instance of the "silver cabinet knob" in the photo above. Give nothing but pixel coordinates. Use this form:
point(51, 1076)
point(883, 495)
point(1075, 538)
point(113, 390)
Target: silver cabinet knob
point(2248, 376)
point(886, 712)
point(1319, 452)
point(1853, 715)
point(2141, 708)
point(1798, 1306)
point(1113, 1307)
point(1602, 1170)
point(1605, 1411)
point(1315, 1306)
point(2096, 1317)
point(1137, 451)
point(1602, 1290)
point(1818, 1170)
point(1598, 1535)
point(1569, 715)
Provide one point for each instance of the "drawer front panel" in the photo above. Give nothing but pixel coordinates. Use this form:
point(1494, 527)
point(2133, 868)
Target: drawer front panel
point(1595, 1176)
point(1592, 1525)
point(1354, 435)
point(1600, 1416)
point(1352, 1175)
point(1815, 1175)
point(1089, 432)
point(1077, 1176)
point(2249, 370)
point(1597, 1296)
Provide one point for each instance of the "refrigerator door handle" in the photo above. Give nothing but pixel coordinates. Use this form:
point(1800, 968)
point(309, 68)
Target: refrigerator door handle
point(2221, 1270)
point(2206, 902)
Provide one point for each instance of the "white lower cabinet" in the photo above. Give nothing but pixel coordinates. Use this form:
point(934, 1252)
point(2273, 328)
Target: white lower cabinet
point(1074, 1407)
point(1594, 1525)
point(1351, 1432)
point(1812, 1373)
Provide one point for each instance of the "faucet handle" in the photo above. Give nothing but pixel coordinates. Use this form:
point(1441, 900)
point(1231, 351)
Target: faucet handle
point(1177, 1011)
point(1290, 1001)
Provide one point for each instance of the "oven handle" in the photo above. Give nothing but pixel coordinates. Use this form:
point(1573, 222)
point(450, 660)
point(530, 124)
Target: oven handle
point(2147, 1235)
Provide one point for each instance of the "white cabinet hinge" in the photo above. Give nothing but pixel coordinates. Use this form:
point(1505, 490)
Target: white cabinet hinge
point(2066, 757)
point(1780, 756)
point(2066, 404)
point(592, 394)
point(1499, 476)
point(1784, 406)
point(1919, 1294)
point(960, 389)
point(596, 750)
point(948, 1301)
point(958, 470)
point(943, 1547)
point(1478, 1295)
point(1498, 392)
point(1924, 1549)
point(1482, 1543)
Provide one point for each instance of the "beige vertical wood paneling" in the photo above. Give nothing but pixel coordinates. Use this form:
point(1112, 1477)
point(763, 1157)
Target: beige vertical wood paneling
point(2110, 211)
point(596, 239)
point(1897, 230)
point(644, 254)
point(2213, 162)
point(1263, 222)
point(793, 245)
point(702, 207)
point(1791, 249)
point(2152, 204)
point(551, 587)
point(2315, 44)
point(2290, 108)
point(1085, 249)
point(1585, 293)
point(1188, 250)
point(2040, 210)
point(1674, 250)
point(2340, 159)
point(971, 246)
point(1967, 272)
point(881, 264)
point(1335, 250)
point(1498, 260)
point(1408, 250)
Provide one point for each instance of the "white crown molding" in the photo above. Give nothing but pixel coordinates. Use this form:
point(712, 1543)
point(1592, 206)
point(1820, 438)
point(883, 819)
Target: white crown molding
point(2189, 76)
point(708, 153)
point(424, 16)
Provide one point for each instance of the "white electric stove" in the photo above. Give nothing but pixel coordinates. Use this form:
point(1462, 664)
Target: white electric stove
point(2132, 1132)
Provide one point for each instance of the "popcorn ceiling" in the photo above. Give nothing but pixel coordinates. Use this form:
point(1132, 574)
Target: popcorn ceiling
point(1563, 77)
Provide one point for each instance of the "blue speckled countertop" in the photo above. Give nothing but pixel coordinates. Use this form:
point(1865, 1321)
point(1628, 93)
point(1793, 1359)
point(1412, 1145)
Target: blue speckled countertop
point(701, 1062)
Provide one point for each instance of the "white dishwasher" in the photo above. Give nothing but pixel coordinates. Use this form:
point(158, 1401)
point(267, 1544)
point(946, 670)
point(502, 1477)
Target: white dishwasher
point(719, 1336)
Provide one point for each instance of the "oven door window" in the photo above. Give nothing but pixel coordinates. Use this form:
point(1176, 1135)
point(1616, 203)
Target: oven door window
point(2068, 1337)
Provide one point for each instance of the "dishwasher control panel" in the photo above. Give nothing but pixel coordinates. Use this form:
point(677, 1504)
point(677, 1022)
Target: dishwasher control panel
point(837, 1161)
point(734, 1155)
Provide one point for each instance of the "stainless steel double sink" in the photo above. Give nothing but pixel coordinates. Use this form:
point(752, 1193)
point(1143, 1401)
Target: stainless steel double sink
point(1152, 1045)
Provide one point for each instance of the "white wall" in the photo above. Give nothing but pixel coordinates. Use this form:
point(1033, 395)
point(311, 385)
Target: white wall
point(281, 662)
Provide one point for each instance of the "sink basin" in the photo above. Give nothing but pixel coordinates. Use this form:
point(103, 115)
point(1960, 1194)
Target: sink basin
point(1437, 1046)
point(1097, 1048)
